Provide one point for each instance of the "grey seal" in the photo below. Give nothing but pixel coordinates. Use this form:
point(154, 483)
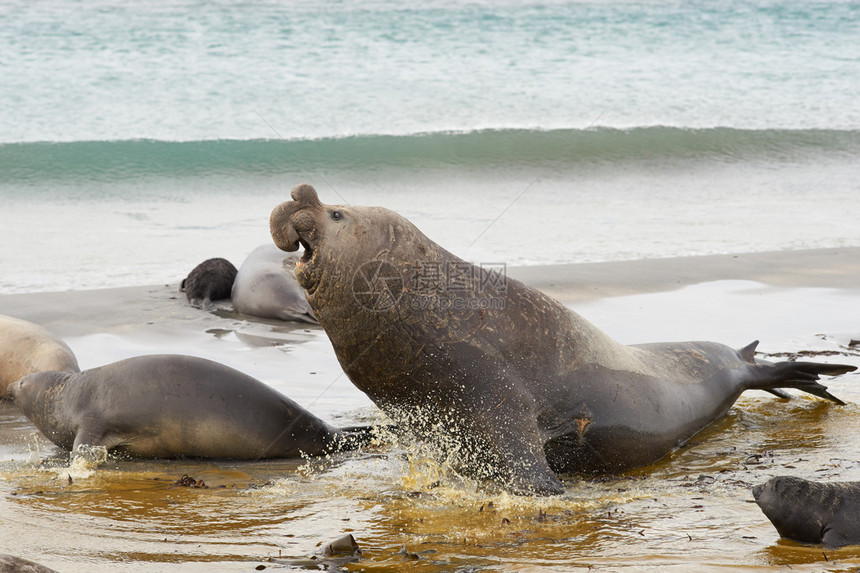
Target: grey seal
point(812, 512)
point(266, 286)
point(170, 406)
point(12, 564)
point(510, 380)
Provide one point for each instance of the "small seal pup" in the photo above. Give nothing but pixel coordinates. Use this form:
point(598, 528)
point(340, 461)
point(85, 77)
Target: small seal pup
point(266, 286)
point(501, 375)
point(812, 512)
point(26, 348)
point(210, 280)
point(172, 406)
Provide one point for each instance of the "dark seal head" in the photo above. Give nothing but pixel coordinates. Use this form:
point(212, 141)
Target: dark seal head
point(812, 512)
point(506, 379)
point(210, 280)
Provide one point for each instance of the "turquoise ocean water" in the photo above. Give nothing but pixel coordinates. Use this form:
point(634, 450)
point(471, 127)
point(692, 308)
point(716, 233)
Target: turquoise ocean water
point(136, 141)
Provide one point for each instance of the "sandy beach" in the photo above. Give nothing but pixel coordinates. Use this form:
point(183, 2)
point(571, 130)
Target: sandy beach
point(74, 313)
point(794, 301)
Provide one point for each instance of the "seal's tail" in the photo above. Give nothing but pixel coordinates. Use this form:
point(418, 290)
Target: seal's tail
point(773, 376)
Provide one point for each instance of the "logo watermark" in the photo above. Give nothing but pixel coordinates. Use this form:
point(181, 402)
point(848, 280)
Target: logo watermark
point(431, 285)
point(377, 285)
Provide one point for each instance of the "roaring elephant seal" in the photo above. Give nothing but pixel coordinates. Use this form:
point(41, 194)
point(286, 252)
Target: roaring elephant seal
point(500, 374)
point(210, 280)
point(812, 512)
point(170, 406)
point(266, 286)
point(26, 348)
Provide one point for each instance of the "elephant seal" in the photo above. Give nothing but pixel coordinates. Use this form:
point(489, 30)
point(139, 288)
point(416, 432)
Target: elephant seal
point(171, 406)
point(26, 348)
point(812, 512)
point(12, 564)
point(266, 286)
point(501, 375)
point(210, 280)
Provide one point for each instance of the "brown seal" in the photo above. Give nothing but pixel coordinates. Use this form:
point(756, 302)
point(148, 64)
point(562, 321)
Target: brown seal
point(506, 378)
point(26, 348)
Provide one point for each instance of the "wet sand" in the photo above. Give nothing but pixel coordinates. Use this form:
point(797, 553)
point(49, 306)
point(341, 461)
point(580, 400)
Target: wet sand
point(692, 509)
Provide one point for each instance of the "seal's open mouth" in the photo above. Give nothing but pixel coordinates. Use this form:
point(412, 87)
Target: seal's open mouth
point(308, 253)
point(306, 273)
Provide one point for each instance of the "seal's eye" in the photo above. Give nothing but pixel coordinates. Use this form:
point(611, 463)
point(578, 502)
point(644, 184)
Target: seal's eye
point(336, 215)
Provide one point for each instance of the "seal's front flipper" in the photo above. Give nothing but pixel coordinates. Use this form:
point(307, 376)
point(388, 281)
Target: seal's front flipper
point(521, 466)
point(354, 437)
point(96, 436)
point(531, 476)
point(832, 537)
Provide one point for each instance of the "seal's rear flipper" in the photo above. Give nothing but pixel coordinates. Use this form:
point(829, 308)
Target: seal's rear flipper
point(798, 375)
point(779, 393)
point(747, 354)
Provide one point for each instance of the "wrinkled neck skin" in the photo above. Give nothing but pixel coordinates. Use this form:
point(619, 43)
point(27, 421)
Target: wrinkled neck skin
point(40, 396)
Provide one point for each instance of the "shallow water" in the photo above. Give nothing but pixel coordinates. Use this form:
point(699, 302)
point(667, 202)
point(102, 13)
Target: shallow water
point(692, 509)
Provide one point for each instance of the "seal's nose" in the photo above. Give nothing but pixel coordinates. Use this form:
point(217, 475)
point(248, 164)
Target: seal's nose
point(305, 194)
point(280, 225)
point(756, 491)
point(283, 232)
point(12, 390)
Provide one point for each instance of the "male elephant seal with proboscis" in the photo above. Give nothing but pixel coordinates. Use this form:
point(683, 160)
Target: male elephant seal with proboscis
point(26, 348)
point(511, 381)
point(172, 406)
point(265, 286)
point(812, 512)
